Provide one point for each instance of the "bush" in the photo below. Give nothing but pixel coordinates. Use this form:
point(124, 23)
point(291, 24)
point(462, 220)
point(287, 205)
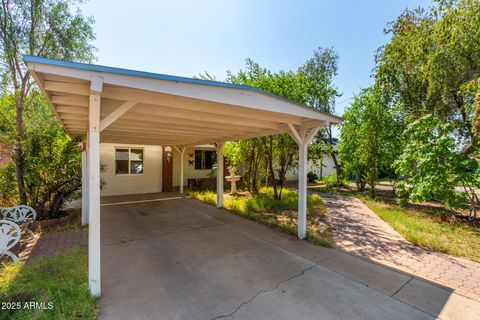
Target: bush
point(8, 186)
point(330, 181)
point(312, 176)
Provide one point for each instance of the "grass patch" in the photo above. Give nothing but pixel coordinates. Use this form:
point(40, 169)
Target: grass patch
point(426, 230)
point(278, 214)
point(59, 281)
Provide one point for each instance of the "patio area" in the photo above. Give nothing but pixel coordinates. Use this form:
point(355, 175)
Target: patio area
point(171, 257)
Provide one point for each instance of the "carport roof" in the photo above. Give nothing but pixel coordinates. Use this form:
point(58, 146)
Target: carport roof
point(149, 108)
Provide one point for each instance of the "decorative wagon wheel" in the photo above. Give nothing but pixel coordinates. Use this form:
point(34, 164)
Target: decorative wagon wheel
point(22, 215)
point(9, 237)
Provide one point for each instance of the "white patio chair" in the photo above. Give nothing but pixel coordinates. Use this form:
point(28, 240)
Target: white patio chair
point(21, 215)
point(9, 237)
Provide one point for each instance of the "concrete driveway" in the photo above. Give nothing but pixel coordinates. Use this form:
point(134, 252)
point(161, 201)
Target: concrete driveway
point(168, 257)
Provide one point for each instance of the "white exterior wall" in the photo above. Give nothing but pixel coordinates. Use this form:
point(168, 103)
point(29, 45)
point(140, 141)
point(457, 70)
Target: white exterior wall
point(148, 182)
point(189, 171)
point(322, 169)
point(151, 179)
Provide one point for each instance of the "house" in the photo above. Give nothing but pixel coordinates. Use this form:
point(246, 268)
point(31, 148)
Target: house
point(137, 124)
point(138, 168)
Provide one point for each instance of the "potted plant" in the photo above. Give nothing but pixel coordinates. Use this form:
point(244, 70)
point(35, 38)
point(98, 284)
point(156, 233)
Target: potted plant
point(443, 215)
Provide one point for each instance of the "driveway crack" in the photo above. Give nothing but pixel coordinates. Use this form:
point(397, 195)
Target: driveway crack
point(263, 291)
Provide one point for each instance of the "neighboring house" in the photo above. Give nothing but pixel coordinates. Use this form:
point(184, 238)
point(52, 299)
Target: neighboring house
point(135, 169)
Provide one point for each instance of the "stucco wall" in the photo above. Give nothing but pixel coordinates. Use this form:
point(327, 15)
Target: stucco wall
point(148, 182)
point(151, 179)
point(325, 170)
point(189, 171)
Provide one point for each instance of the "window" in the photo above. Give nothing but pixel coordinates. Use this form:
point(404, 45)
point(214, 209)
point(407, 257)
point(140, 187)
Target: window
point(128, 161)
point(204, 159)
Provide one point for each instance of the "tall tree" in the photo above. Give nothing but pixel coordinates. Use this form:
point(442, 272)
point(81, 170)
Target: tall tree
point(369, 138)
point(278, 152)
point(47, 28)
point(318, 72)
point(431, 62)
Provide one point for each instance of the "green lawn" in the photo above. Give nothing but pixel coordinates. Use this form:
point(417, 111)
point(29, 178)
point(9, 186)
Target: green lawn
point(278, 214)
point(426, 230)
point(59, 282)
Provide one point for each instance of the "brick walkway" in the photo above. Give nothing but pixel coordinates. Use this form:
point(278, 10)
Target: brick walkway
point(360, 231)
point(49, 244)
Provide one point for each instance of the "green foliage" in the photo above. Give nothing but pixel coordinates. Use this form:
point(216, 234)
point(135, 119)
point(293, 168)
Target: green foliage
point(318, 72)
point(369, 138)
point(332, 180)
point(46, 164)
point(52, 169)
point(431, 59)
point(61, 280)
point(431, 164)
point(8, 187)
point(311, 176)
point(269, 158)
point(47, 28)
point(427, 231)
point(234, 152)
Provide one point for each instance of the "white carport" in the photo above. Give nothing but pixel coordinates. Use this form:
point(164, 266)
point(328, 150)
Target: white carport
point(104, 104)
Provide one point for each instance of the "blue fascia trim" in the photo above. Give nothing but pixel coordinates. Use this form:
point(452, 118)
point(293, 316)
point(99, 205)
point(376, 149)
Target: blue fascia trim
point(133, 73)
point(158, 76)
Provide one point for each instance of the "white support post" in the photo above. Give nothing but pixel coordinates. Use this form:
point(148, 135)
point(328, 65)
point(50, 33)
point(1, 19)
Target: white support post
point(84, 185)
point(303, 139)
point(302, 190)
point(94, 256)
point(182, 153)
point(219, 149)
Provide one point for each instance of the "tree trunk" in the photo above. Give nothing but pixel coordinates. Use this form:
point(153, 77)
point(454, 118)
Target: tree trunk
point(373, 192)
point(18, 153)
point(269, 149)
point(338, 168)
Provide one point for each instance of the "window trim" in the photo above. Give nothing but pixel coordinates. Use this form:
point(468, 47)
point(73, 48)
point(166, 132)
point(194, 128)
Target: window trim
point(129, 161)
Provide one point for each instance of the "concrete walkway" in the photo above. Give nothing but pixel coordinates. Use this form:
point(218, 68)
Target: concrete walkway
point(167, 257)
point(360, 231)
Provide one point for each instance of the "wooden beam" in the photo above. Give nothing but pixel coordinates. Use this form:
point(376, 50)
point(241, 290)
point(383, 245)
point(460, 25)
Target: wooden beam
point(155, 134)
point(168, 123)
point(116, 114)
point(202, 116)
point(196, 128)
point(78, 101)
point(96, 85)
point(140, 130)
point(295, 134)
point(172, 122)
point(71, 109)
point(188, 104)
point(73, 116)
point(66, 87)
point(142, 141)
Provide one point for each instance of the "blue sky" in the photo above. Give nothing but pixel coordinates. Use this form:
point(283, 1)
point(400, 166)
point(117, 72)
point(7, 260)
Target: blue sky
point(186, 38)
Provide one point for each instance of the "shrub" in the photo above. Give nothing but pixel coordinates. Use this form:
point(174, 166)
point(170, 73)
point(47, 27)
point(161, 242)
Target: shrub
point(330, 181)
point(312, 176)
point(8, 186)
